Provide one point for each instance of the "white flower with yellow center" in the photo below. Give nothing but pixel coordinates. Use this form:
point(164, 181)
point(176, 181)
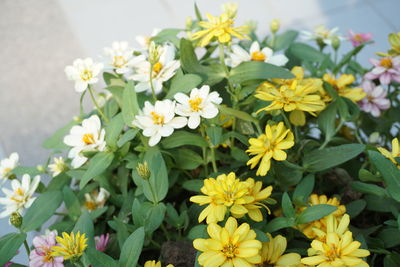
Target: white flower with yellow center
point(20, 197)
point(7, 165)
point(58, 166)
point(96, 199)
point(161, 71)
point(265, 54)
point(144, 41)
point(159, 120)
point(87, 137)
point(121, 58)
point(200, 103)
point(83, 72)
point(321, 34)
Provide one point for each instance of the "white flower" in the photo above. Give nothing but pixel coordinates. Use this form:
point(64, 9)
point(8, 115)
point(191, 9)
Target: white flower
point(201, 103)
point(96, 199)
point(83, 72)
point(58, 166)
point(321, 33)
point(162, 71)
point(88, 137)
point(266, 54)
point(121, 58)
point(20, 197)
point(159, 120)
point(144, 41)
point(7, 165)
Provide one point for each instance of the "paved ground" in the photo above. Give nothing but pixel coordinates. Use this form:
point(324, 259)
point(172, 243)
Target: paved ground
point(39, 37)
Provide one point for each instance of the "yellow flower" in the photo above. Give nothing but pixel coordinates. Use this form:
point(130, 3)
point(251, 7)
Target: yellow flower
point(155, 264)
point(338, 249)
point(269, 145)
point(394, 40)
point(394, 154)
point(229, 246)
point(272, 253)
point(308, 229)
point(260, 196)
point(70, 246)
point(341, 85)
point(220, 28)
point(296, 96)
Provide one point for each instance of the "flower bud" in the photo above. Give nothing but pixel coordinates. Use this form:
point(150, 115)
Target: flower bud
point(154, 53)
point(189, 22)
point(40, 168)
point(16, 219)
point(251, 25)
point(143, 170)
point(275, 25)
point(335, 42)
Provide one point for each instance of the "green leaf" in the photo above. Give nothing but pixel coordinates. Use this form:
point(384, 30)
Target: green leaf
point(97, 165)
point(183, 84)
point(159, 176)
point(346, 58)
point(198, 231)
point(117, 92)
point(215, 135)
point(41, 210)
point(279, 223)
point(57, 140)
point(236, 113)
point(132, 248)
point(305, 52)
point(314, 213)
point(193, 185)
point(127, 136)
point(188, 159)
point(366, 176)
point(319, 160)
point(255, 70)
point(261, 236)
point(21, 170)
point(9, 245)
point(84, 225)
point(356, 207)
point(326, 120)
point(287, 206)
point(389, 171)
point(97, 258)
point(72, 203)
point(130, 106)
point(369, 189)
point(113, 130)
point(284, 40)
point(181, 138)
point(155, 216)
point(304, 189)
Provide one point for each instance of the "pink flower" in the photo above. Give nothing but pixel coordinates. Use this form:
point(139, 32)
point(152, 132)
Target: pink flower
point(8, 264)
point(376, 100)
point(101, 242)
point(40, 256)
point(386, 69)
point(359, 38)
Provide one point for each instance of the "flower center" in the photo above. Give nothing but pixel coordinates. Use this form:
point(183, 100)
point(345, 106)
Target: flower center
point(157, 67)
point(88, 139)
point(157, 119)
point(229, 250)
point(386, 63)
point(86, 75)
point(358, 37)
point(7, 171)
point(258, 56)
point(195, 103)
point(119, 61)
point(332, 252)
point(90, 205)
point(18, 196)
point(19, 192)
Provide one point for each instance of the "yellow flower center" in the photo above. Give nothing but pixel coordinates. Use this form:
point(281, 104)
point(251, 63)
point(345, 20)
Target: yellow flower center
point(19, 194)
point(358, 37)
point(7, 171)
point(88, 139)
point(195, 103)
point(48, 257)
point(157, 67)
point(332, 252)
point(157, 119)
point(258, 56)
point(119, 61)
point(229, 250)
point(86, 75)
point(386, 63)
point(90, 205)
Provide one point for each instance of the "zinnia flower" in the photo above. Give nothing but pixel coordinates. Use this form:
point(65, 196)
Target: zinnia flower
point(7, 165)
point(101, 242)
point(200, 103)
point(96, 199)
point(83, 72)
point(41, 255)
point(20, 197)
point(159, 120)
point(229, 246)
point(272, 253)
point(359, 38)
point(387, 69)
point(155, 264)
point(260, 196)
point(58, 166)
point(70, 246)
point(120, 57)
point(87, 137)
point(321, 34)
point(269, 145)
point(395, 152)
point(220, 28)
point(341, 85)
point(376, 100)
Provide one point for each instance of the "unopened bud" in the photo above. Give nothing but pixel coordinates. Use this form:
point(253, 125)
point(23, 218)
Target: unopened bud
point(189, 22)
point(16, 219)
point(143, 170)
point(154, 53)
point(251, 25)
point(40, 168)
point(275, 25)
point(335, 42)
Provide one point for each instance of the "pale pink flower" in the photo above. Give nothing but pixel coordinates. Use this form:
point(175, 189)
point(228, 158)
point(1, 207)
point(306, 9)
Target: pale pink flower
point(40, 256)
point(376, 100)
point(359, 38)
point(386, 69)
point(101, 242)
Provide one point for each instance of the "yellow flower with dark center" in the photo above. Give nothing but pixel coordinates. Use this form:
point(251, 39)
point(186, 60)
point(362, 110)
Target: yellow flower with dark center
point(70, 246)
point(338, 249)
point(220, 28)
point(272, 253)
point(229, 246)
point(155, 264)
point(220, 194)
point(395, 152)
point(260, 195)
point(321, 224)
point(341, 85)
point(269, 145)
point(296, 96)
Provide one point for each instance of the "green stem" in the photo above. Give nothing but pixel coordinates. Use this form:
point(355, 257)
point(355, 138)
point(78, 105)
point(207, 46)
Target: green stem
point(165, 231)
point(204, 150)
point(96, 104)
point(214, 163)
point(327, 140)
point(81, 104)
point(28, 251)
point(153, 91)
point(152, 192)
point(286, 120)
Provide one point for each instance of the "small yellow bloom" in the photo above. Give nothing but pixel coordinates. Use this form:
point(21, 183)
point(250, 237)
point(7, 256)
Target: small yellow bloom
point(394, 154)
point(70, 246)
point(296, 96)
point(155, 264)
point(260, 195)
point(269, 145)
point(229, 246)
point(220, 28)
point(341, 85)
point(272, 253)
point(58, 166)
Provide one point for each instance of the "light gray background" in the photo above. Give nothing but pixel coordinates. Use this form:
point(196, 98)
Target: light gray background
point(38, 38)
